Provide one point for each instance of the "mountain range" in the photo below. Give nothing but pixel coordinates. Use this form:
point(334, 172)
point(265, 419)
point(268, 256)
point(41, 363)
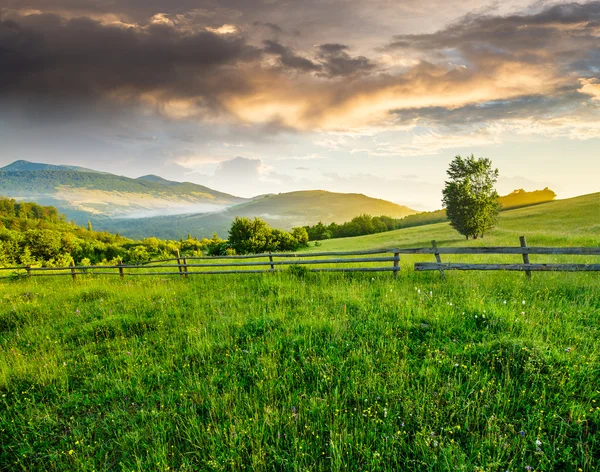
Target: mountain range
point(153, 206)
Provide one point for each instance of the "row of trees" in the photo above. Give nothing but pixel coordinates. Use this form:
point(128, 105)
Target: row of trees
point(357, 226)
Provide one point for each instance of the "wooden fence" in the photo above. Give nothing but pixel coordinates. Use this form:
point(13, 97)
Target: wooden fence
point(186, 266)
point(523, 250)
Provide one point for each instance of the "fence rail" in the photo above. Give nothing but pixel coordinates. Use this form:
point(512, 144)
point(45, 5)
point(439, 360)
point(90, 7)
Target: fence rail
point(186, 266)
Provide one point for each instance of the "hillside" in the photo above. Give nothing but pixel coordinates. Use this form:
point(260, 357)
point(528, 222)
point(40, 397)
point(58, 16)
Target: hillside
point(284, 211)
point(82, 194)
point(574, 221)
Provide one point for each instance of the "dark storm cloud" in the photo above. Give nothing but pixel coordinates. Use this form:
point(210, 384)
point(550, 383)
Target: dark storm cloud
point(338, 63)
point(289, 58)
point(332, 60)
point(48, 55)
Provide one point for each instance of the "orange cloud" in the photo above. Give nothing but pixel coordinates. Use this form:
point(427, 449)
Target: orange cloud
point(590, 87)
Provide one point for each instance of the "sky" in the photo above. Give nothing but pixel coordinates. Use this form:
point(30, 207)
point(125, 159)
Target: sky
point(266, 96)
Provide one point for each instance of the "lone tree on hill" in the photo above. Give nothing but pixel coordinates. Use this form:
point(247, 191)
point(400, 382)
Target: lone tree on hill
point(470, 199)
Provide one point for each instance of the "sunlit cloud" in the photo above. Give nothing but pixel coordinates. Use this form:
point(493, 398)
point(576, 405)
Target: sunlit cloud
point(590, 87)
point(224, 29)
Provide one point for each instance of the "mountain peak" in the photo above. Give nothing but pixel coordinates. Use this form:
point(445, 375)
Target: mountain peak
point(22, 165)
point(156, 178)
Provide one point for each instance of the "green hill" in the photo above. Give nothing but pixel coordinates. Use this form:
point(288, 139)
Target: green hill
point(284, 211)
point(82, 194)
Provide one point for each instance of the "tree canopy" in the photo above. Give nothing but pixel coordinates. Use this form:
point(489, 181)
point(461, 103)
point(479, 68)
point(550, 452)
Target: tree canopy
point(471, 202)
point(255, 236)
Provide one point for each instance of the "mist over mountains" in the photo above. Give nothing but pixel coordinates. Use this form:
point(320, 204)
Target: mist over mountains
point(153, 206)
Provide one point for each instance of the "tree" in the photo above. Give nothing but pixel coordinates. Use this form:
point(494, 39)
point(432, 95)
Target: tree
point(248, 236)
point(469, 196)
point(301, 236)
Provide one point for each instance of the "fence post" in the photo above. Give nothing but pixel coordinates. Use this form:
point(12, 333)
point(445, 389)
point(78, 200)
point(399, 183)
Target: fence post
point(525, 255)
point(179, 263)
point(396, 264)
point(271, 259)
point(73, 274)
point(185, 267)
point(121, 273)
point(438, 258)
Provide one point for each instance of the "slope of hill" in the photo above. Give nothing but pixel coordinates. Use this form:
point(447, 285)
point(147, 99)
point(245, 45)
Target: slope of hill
point(284, 211)
point(82, 193)
point(572, 221)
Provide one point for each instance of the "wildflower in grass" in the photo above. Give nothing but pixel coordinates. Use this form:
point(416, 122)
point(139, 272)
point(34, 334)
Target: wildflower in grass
point(528, 467)
point(522, 433)
point(77, 311)
point(505, 302)
point(523, 302)
point(538, 442)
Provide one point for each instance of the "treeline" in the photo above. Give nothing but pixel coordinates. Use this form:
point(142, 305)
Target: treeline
point(367, 224)
point(36, 235)
point(520, 197)
point(32, 234)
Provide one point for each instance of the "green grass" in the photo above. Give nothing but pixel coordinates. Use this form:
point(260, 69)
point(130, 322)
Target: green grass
point(314, 372)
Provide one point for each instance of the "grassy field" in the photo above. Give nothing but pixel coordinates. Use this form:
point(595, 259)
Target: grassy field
point(284, 371)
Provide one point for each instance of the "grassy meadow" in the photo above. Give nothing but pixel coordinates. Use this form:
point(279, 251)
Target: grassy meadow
point(483, 371)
